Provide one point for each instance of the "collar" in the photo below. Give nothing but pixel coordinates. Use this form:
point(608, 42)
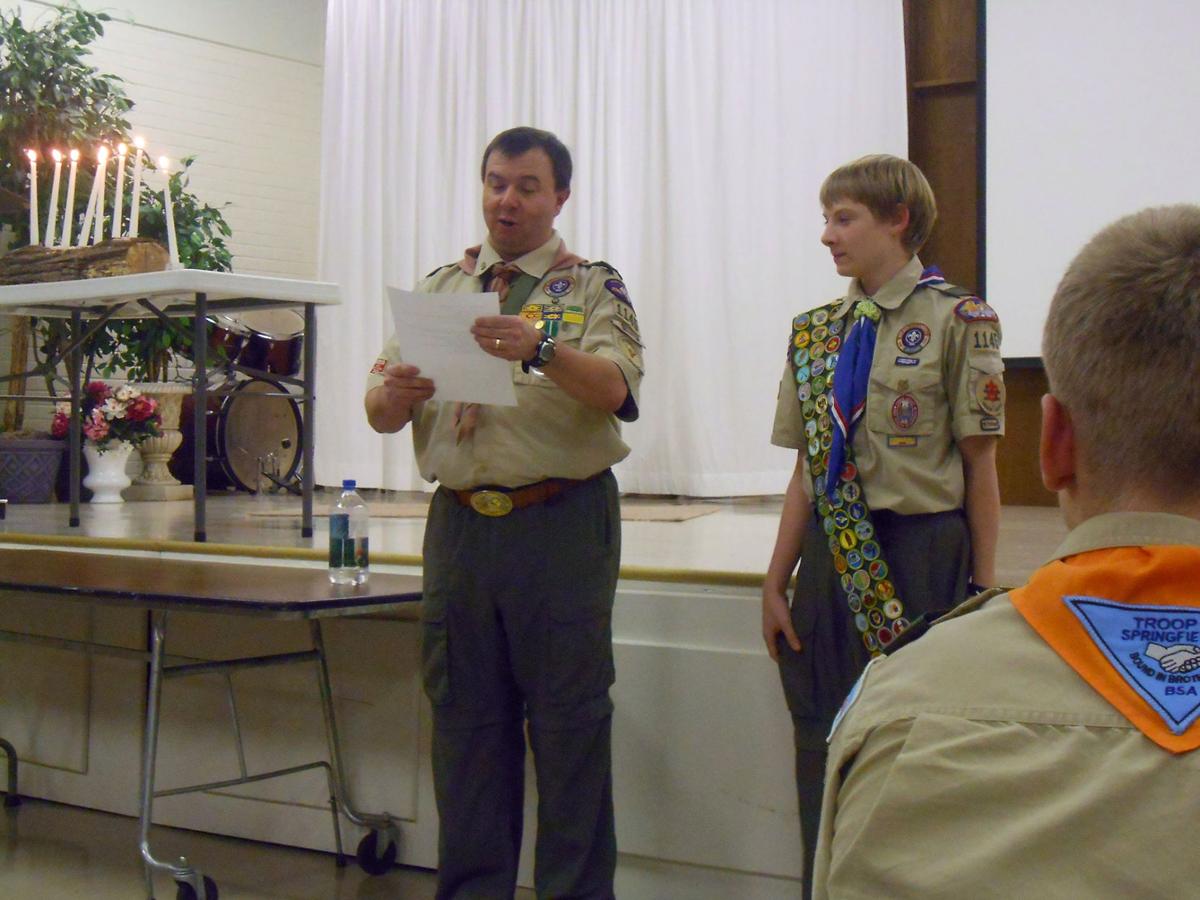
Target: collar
point(1129, 529)
point(891, 295)
point(550, 255)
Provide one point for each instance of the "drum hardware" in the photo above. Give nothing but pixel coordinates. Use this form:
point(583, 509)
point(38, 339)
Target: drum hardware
point(270, 479)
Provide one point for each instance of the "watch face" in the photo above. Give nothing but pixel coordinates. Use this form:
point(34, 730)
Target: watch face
point(545, 351)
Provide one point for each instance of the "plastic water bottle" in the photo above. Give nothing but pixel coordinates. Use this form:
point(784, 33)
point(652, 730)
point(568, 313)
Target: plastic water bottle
point(348, 541)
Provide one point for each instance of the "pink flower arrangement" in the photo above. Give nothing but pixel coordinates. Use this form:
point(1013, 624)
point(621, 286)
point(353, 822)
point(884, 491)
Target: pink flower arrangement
point(111, 416)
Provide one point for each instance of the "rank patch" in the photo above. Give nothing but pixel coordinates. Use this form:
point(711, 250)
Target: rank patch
point(913, 338)
point(380, 365)
point(973, 309)
point(905, 411)
point(559, 287)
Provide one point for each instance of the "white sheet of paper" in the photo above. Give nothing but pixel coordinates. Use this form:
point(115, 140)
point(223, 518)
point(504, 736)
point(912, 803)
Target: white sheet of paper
point(434, 331)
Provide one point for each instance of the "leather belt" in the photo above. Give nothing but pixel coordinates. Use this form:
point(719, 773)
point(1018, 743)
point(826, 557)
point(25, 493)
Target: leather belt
point(502, 501)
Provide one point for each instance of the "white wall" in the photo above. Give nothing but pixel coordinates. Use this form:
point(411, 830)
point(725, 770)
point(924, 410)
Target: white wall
point(1091, 114)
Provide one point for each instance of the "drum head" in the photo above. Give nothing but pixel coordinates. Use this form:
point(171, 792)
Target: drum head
point(274, 323)
point(252, 426)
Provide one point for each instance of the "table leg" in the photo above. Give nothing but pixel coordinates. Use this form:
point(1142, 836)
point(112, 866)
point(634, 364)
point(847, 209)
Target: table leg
point(310, 419)
point(12, 798)
point(199, 412)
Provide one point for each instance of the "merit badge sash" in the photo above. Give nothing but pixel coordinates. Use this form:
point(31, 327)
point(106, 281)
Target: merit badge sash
point(857, 554)
point(1127, 620)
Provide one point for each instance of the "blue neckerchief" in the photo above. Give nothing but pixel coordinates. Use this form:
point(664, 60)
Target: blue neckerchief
point(850, 386)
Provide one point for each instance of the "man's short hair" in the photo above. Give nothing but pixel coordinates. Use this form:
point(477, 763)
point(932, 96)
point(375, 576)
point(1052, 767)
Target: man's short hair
point(1122, 351)
point(880, 183)
point(519, 140)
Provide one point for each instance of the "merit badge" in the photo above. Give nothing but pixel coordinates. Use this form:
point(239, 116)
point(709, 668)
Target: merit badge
point(800, 357)
point(989, 423)
point(827, 525)
point(573, 315)
point(380, 365)
point(901, 440)
point(854, 601)
point(824, 421)
point(531, 311)
point(616, 287)
point(861, 580)
point(875, 617)
point(847, 540)
point(884, 635)
point(893, 609)
point(1155, 650)
point(820, 317)
point(836, 326)
point(807, 407)
point(819, 386)
point(803, 374)
point(886, 590)
point(810, 428)
point(973, 309)
point(858, 511)
point(905, 411)
point(833, 343)
point(989, 394)
point(878, 570)
point(818, 350)
point(913, 338)
point(907, 361)
point(800, 321)
point(822, 402)
point(818, 366)
point(869, 599)
point(864, 530)
point(560, 286)
point(820, 333)
point(847, 584)
point(826, 440)
point(851, 490)
point(804, 392)
point(870, 641)
point(860, 622)
point(802, 338)
point(854, 559)
point(813, 447)
point(841, 519)
point(871, 550)
point(839, 563)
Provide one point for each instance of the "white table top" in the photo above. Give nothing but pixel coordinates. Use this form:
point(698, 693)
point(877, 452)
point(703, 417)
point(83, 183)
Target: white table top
point(174, 287)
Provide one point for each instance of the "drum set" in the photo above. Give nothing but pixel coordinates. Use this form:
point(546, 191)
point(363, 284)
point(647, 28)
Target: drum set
point(254, 432)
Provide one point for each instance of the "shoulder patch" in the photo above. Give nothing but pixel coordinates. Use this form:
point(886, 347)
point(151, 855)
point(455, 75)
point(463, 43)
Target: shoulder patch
point(616, 287)
point(973, 309)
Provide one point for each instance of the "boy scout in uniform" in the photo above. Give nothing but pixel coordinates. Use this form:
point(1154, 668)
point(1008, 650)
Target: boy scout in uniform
point(522, 544)
point(893, 397)
point(1041, 743)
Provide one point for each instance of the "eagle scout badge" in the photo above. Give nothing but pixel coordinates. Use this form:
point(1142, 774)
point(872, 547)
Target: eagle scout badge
point(1155, 649)
point(913, 338)
point(905, 411)
point(973, 309)
point(559, 287)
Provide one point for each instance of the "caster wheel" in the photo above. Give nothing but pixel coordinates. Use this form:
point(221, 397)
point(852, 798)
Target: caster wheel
point(374, 858)
point(186, 892)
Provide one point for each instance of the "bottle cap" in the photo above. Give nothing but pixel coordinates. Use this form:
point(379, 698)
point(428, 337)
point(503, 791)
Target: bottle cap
point(349, 484)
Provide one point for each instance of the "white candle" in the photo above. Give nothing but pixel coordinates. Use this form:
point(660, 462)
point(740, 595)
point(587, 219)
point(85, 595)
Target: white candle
point(69, 209)
point(52, 218)
point(172, 242)
point(119, 201)
point(34, 231)
point(101, 177)
point(135, 200)
point(102, 153)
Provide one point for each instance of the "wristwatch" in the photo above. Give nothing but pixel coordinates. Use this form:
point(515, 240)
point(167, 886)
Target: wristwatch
point(542, 356)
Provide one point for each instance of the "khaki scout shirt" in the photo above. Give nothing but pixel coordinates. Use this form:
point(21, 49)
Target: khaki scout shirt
point(943, 358)
point(548, 434)
point(977, 763)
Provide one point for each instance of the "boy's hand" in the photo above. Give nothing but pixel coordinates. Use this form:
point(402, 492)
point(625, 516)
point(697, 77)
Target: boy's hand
point(776, 620)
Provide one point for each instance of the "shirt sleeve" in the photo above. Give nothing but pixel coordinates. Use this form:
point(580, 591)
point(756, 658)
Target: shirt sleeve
point(390, 352)
point(788, 429)
point(611, 331)
point(975, 371)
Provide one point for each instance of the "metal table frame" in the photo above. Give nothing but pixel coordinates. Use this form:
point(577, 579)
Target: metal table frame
point(172, 294)
point(40, 571)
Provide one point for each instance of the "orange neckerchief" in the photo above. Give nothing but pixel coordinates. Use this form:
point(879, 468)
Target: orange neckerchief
point(563, 259)
point(1130, 647)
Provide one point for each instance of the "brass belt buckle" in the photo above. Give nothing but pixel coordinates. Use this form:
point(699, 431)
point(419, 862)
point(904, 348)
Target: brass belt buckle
point(491, 503)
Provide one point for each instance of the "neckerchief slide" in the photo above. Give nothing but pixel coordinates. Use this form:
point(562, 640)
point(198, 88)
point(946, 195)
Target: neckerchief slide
point(857, 554)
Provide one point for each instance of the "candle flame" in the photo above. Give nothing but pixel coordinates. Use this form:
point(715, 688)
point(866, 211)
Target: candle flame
point(122, 149)
point(102, 154)
point(74, 156)
point(32, 154)
point(57, 156)
point(139, 142)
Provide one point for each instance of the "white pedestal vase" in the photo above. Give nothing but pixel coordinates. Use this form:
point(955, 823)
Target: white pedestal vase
point(106, 476)
point(156, 481)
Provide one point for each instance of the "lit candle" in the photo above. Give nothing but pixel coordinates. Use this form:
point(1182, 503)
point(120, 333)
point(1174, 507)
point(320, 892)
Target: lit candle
point(101, 176)
point(52, 218)
point(135, 200)
point(168, 206)
point(69, 209)
point(34, 231)
point(119, 202)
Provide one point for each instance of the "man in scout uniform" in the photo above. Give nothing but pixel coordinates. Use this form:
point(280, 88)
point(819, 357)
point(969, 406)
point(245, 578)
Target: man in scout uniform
point(893, 397)
point(1040, 742)
point(522, 543)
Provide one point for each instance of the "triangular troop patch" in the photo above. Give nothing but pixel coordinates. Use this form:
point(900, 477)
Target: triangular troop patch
point(1155, 649)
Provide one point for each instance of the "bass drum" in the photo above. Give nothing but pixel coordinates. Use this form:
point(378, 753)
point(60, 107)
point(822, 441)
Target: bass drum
point(246, 429)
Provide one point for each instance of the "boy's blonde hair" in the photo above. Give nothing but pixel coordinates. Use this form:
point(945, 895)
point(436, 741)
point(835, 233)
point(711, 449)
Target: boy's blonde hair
point(1122, 352)
point(880, 183)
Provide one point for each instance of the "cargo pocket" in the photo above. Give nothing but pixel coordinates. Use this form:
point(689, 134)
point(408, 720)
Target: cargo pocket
point(906, 404)
point(580, 656)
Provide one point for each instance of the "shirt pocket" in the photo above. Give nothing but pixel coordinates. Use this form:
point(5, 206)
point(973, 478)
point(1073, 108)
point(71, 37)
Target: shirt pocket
point(906, 403)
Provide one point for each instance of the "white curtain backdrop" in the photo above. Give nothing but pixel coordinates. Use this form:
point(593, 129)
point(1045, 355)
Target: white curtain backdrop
point(701, 131)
